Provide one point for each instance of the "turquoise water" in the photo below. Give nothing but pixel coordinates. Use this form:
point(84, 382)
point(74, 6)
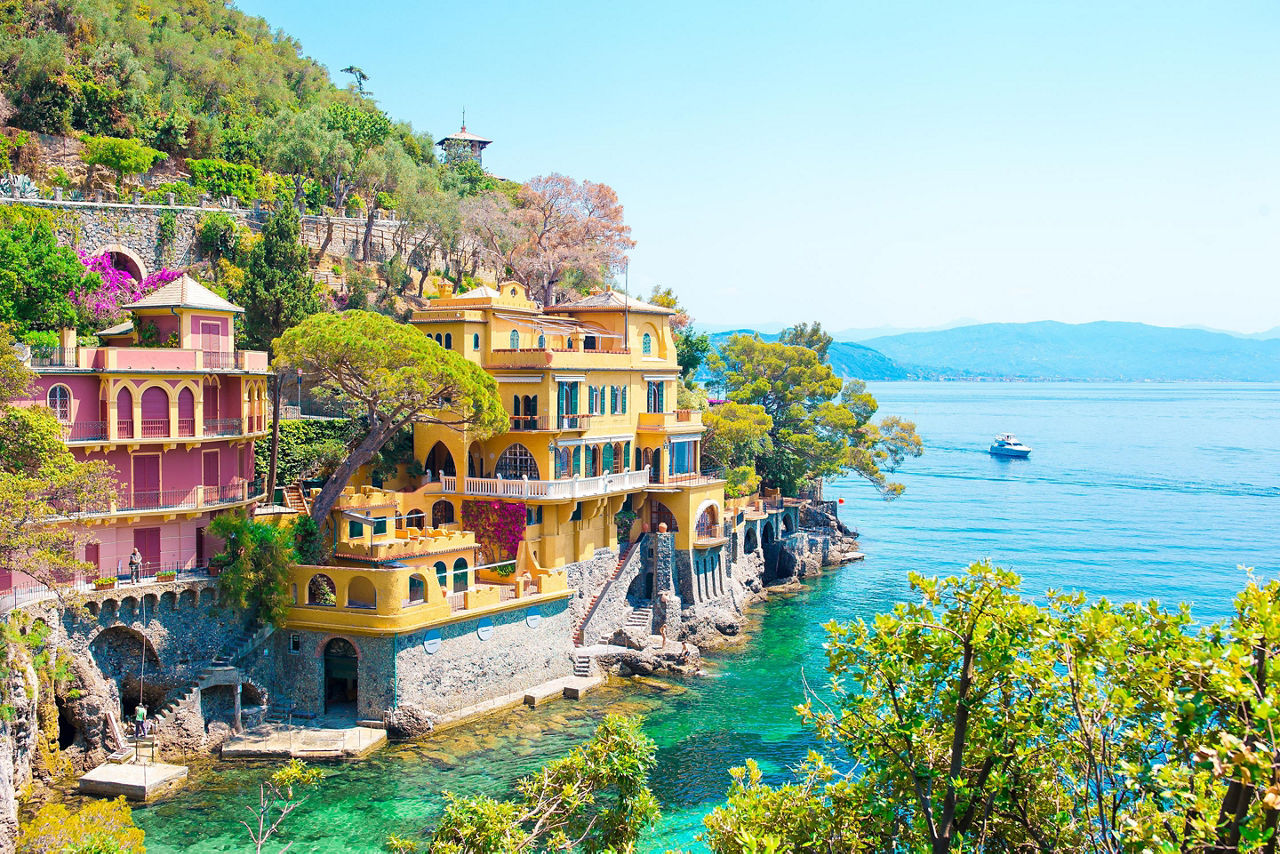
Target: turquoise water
point(1132, 491)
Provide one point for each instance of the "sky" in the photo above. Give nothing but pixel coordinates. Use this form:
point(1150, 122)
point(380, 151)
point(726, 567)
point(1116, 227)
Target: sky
point(873, 164)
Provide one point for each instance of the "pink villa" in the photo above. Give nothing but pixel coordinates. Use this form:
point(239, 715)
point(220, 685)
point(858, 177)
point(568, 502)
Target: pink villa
point(175, 408)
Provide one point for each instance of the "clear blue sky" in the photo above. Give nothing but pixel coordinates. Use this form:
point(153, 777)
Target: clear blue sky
point(869, 164)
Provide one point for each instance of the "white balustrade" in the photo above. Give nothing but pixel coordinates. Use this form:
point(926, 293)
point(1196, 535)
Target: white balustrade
point(578, 487)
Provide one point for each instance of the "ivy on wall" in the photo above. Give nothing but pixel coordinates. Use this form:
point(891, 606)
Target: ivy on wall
point(308, 449)
point(498, 526)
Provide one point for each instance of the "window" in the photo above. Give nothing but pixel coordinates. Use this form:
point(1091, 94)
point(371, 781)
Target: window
point(460, 575)
point(577, 459)
point(295, 643)
point(380, 525)
point(608, 460)
point(442, 575)
point(623, 398)
point(542, 341)
point(60, 402)
point(589, 342)
point(577, 513)
point(515, 340)
point(355, 530)
point(533, 514)
point(613, 399)
point(655, 396)
point(646, 344)
point(441, 513)
point(475, 341)
point(516, 462)
point(448, 340)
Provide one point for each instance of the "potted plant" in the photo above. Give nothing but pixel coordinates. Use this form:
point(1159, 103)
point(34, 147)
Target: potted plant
point(106, 582)
point(166, 575)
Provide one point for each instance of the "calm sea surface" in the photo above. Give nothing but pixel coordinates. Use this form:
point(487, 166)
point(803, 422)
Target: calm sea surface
point(1132, 491)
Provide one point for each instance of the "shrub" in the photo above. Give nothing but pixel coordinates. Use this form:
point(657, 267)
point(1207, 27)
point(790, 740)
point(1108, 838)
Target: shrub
point(221, 178)
point(166, 227)
point(125, 157)
point(100, 826)
point(183, 194)
point(216, 234)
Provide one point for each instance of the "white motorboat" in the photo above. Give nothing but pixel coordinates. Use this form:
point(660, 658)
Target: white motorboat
point(1007, 445)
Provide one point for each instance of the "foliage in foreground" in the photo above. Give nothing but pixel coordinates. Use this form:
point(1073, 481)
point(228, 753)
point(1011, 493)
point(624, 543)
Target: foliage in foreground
point(254, 565)
point(278, 796)
point(978, 720)
point(102, 827)
point(595, 799)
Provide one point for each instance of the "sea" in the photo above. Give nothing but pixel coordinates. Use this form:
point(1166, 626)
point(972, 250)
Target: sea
point(1131, 492)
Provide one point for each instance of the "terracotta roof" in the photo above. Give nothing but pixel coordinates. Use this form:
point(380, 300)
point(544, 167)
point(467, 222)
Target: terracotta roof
point(609, 301)
point(185, 292)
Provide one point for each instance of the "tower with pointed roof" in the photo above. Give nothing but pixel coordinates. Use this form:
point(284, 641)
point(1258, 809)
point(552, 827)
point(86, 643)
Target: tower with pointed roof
point(464, 145)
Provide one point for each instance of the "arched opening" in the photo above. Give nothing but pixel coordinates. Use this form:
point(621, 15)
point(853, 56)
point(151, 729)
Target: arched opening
point(448, 340)
point(708, 526)
point(564, 463)
point(460, 575)
point(441, 513)
point(439, 462)
point(186, 412)
point(361, 594)
point(646, 344)
point(655, 473)
point(660, 513)
point(124, 414)
point(321, 590)
point(514, 339)
point(607, 466)
point(67, 730)
point(341, 677)
point(767, 535)
point(126, 656)
point(475, 460)
point(417, 589)
point(415, 519)
point(750, 543)
point(516, 462)
point(788, 524)
point(530, 411)
point(542, 341)
point(59, 400)
point(126, 264)
point(442, 575)
point(155, 413)
point(475, 341)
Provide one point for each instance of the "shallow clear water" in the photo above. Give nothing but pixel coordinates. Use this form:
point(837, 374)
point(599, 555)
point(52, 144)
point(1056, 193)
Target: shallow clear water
point(1132, 491)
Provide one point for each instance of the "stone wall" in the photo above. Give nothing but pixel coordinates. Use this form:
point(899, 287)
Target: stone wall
point(586, 577)
point(617, 599)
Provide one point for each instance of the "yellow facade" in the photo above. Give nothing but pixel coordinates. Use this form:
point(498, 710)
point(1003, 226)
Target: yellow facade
point(590, 389)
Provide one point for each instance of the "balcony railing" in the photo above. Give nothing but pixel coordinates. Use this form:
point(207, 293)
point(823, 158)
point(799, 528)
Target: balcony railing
point(186, 427)
point(687, 478)
point(85, 431)
point(124, 428)
point(53, 357)
point(170, 499)
point(155, 428)
point(214, 360)
point(573, 422)
point(548, 422)
point(222, 426)
point(549, 489)
point(530, 422)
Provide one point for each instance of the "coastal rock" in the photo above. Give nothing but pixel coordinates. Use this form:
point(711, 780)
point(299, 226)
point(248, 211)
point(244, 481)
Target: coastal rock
point(216, 735)
point(632, 637)
point(86, 709)
point(409, 721)
point(683, 659)
point(17, 748)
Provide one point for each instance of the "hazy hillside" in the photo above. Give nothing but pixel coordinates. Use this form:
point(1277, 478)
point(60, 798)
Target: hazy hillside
point(847, 359)
point(1090, 351)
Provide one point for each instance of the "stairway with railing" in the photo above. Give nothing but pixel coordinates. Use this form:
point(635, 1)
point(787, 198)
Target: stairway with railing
point(623, 560)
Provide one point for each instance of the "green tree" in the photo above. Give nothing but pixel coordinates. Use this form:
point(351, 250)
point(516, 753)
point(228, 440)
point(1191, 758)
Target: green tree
point(691, 351)
point(278, 291)
point(595, 799)
point(101, 827)
point(804, 335)
point(254, 565)
point(125, 157)
point(821, 426)
point(737, 436)
point(392, 374)
point(37, 276)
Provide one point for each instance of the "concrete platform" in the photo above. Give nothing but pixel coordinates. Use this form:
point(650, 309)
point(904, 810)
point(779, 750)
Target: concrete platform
point(277, 741)
point(577, 687)
point(135, 781)
point(570, 688)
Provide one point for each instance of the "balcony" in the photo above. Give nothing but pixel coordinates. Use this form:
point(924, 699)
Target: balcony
point(549, 490)
point(160, 429)
point(548, 423)
point(223, 427)
point(681, 420)
point(564, 359)
point(159, 500)
point(146, 359)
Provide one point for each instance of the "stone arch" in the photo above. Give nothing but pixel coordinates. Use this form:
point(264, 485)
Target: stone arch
point(361, 593)
point(442, 513)
point(768, 535)
point(321, 590)
point(169, 600)
point(341, 674)
point(788, 524)
point(187, 599)
point(93, 609)
point(708, 524)
point(439, 461)
point(150, 604)
point(750, 542)
point(415, 519)
point(124, 259)
point(208, 596)
point(516, 462)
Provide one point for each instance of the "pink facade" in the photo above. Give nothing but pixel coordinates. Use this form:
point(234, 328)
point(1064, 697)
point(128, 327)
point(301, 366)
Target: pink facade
point(178, 425)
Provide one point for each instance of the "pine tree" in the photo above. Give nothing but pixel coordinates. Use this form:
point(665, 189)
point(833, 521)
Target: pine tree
point(278, 290)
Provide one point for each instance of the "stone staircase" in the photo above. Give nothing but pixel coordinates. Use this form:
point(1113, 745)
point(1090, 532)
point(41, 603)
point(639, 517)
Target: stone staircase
point(218, 672)
point(641, 618)
point(604, 588)
point(581, 664)
point(294, 499)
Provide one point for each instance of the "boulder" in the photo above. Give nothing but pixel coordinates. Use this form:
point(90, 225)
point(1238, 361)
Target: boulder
point(409, 721)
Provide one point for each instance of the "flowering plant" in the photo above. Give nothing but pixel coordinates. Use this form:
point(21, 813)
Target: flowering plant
point(118, 287)
point(498, 526)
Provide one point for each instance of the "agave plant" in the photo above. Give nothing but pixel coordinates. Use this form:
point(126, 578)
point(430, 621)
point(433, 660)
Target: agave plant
point(27, 188)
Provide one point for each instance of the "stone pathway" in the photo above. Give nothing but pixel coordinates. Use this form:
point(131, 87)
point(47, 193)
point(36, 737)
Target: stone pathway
point(279, 741)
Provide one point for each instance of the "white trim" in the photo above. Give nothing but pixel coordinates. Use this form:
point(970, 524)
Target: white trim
point(659, 377)
point(683, 439)
point(569, 378)
point(522, 379)
point(595, 440)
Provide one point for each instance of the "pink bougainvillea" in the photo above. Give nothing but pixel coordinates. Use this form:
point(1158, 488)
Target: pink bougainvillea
point(498, 526)
point(118, 288)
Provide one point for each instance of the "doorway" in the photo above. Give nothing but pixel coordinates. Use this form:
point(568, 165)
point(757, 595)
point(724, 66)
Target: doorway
point(341, 678)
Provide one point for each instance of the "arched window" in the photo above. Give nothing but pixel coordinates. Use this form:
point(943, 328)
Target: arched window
point(590, 460)
point(417, 589)
point(646, 344)
point(475, 341)
point(608, 459)
point(448, 340)
point(516, 462)
point(415, 519)
point(563, 463)
point(186, 413)
point(661, 513)
point(360, 593)
point(441, 513)
point(442, 575)
point(460, 574)
point(60, 402)
point(155, 412)
point(439, 462)
point(542, 341)
point(321, 590)
point(515, 339)
point(577, 459)
point(708, 526)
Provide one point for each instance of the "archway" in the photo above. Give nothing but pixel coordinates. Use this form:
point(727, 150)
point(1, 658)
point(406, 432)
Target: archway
point(460, 574)
point(341, 677)
point(655, 473)
point(750, 542)
point(321, 590)
point(788, 524)
point(660, 513)
point(415, 519)
point(124, 259)
point(127, 657)
point(708, 526)
point(439, 462)
point(124, 414)
point(441, 513)
point(186, 412)
point(155, 413)
point(475, 460)
point(361, 593)
point(767, 536)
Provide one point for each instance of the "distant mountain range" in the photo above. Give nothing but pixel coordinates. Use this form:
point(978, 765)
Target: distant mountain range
point(1048, 350)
